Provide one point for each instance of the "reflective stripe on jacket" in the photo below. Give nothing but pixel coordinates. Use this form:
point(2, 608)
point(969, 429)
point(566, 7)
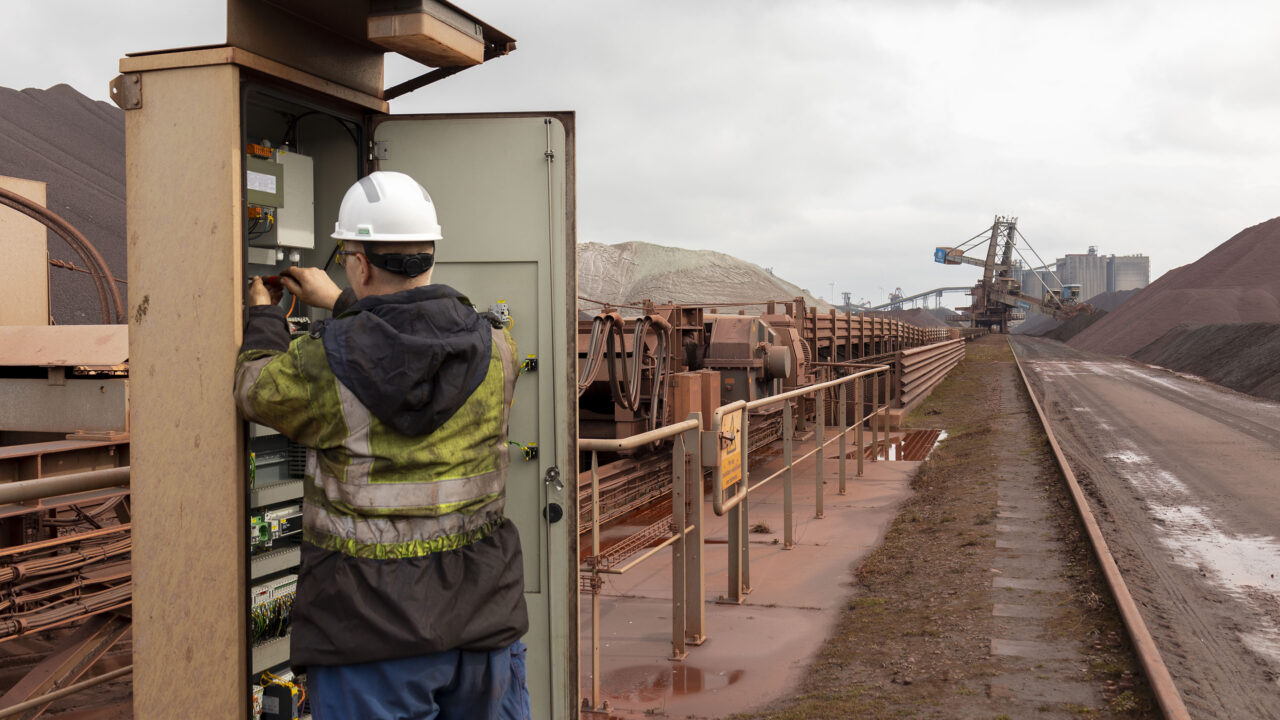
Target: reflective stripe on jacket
point(406, 549)
point(371, 491)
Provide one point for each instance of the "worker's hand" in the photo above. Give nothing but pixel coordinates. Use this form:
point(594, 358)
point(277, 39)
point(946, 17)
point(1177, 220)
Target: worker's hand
point(260, 294)
point(312, 286)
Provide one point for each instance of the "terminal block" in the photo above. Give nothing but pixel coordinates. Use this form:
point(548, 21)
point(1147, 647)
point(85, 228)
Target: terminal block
point(272, 603)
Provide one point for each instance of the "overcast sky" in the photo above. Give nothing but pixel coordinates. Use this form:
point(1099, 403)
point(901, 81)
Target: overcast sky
point(839, 142)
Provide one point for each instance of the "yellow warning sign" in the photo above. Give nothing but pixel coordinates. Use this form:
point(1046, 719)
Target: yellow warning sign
point(731, 449)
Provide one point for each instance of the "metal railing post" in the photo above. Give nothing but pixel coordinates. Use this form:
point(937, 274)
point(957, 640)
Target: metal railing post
point(679, 485)
point(735, 555)
point(821, 425)
point(695, 607)
point(844, 428)
point(595, 579)
point(788, 536)
point(862, 413)
point(875, 410)
point(745, 535)
point(888, 400)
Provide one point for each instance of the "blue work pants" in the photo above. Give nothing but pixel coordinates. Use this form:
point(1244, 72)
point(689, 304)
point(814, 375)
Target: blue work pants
point(453, 685)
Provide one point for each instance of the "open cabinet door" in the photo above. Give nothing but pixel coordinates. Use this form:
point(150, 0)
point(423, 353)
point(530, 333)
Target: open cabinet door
point(503, 185)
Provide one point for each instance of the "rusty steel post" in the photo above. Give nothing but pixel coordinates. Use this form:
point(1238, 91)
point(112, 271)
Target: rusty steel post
point(678, 589)
point(595, 579)
point(875, 408)
point(862, 413)
point(844, 428)
point(788, 530)
point(695, 607)
point(888, 401)
point(744, 535)
point(817, 480)
point(734, 593)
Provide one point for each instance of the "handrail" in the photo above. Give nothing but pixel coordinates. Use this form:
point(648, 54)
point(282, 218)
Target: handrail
point(634, 441)
point(753, 404)
point(690, 439)
point(639, 559)
point(722, 504)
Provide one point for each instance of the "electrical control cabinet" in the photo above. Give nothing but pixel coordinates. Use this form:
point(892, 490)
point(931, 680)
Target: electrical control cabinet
point(271, 150)
point(500, 250)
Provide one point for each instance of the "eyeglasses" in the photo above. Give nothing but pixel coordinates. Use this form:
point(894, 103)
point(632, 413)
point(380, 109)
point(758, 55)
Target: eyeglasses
point(339, 253)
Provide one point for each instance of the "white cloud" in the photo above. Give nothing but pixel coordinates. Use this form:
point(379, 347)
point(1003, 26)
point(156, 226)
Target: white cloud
point(841, 141)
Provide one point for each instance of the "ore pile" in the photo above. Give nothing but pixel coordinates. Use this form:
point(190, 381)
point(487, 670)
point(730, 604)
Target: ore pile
point(628, 273)
point(76, 145)
point(1242, 356)
point(1045, 326)
point(1238, 282)
point(1218, 317)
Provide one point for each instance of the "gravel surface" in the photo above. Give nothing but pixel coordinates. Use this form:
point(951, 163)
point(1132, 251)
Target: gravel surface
point(983, 601)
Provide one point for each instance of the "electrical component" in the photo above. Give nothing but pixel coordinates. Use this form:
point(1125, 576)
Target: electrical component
point(297, 219)
point(259, 532)
point(284, 521)
point(530, 364)
point(281, 198)
point(282, 696)
point(502, 310)
point(264, 181)
point(270, 606)
point(281, 701)
point(273, 525)
point(528, 450)
point(256, 706)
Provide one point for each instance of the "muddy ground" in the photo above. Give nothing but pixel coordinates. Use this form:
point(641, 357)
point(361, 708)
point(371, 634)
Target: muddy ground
point(916, 637)
point(1181, 476)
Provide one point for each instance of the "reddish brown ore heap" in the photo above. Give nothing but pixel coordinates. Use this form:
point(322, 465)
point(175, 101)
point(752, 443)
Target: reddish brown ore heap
point(1045, 326)
point(1237, 282)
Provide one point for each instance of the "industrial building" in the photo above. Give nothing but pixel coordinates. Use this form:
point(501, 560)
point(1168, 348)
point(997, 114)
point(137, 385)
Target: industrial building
point(1094, 273)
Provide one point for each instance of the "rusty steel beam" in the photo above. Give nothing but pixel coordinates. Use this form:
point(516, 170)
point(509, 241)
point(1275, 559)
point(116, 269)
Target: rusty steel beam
point(29, 698)
point(28, 490)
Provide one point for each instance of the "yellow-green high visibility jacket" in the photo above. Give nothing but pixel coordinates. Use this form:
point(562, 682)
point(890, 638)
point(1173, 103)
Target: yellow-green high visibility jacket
point(402, 401)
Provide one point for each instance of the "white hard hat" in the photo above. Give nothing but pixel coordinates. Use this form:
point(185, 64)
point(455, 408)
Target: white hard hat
point(387, 207)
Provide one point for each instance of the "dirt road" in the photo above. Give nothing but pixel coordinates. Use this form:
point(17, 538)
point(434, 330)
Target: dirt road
point(1184, 477)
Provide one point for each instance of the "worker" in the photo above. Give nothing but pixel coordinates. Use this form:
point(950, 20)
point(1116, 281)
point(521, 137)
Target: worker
point(410, 600)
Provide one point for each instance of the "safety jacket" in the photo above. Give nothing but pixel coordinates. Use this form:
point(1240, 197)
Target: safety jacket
point(402, 401)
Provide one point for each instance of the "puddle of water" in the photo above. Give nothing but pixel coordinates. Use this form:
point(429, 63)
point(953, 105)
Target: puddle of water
point(897, 451)
point(942, 435)
point(647, 683)
point(1242, 566)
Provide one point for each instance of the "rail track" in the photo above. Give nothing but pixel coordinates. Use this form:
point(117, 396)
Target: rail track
point(1153, 664)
